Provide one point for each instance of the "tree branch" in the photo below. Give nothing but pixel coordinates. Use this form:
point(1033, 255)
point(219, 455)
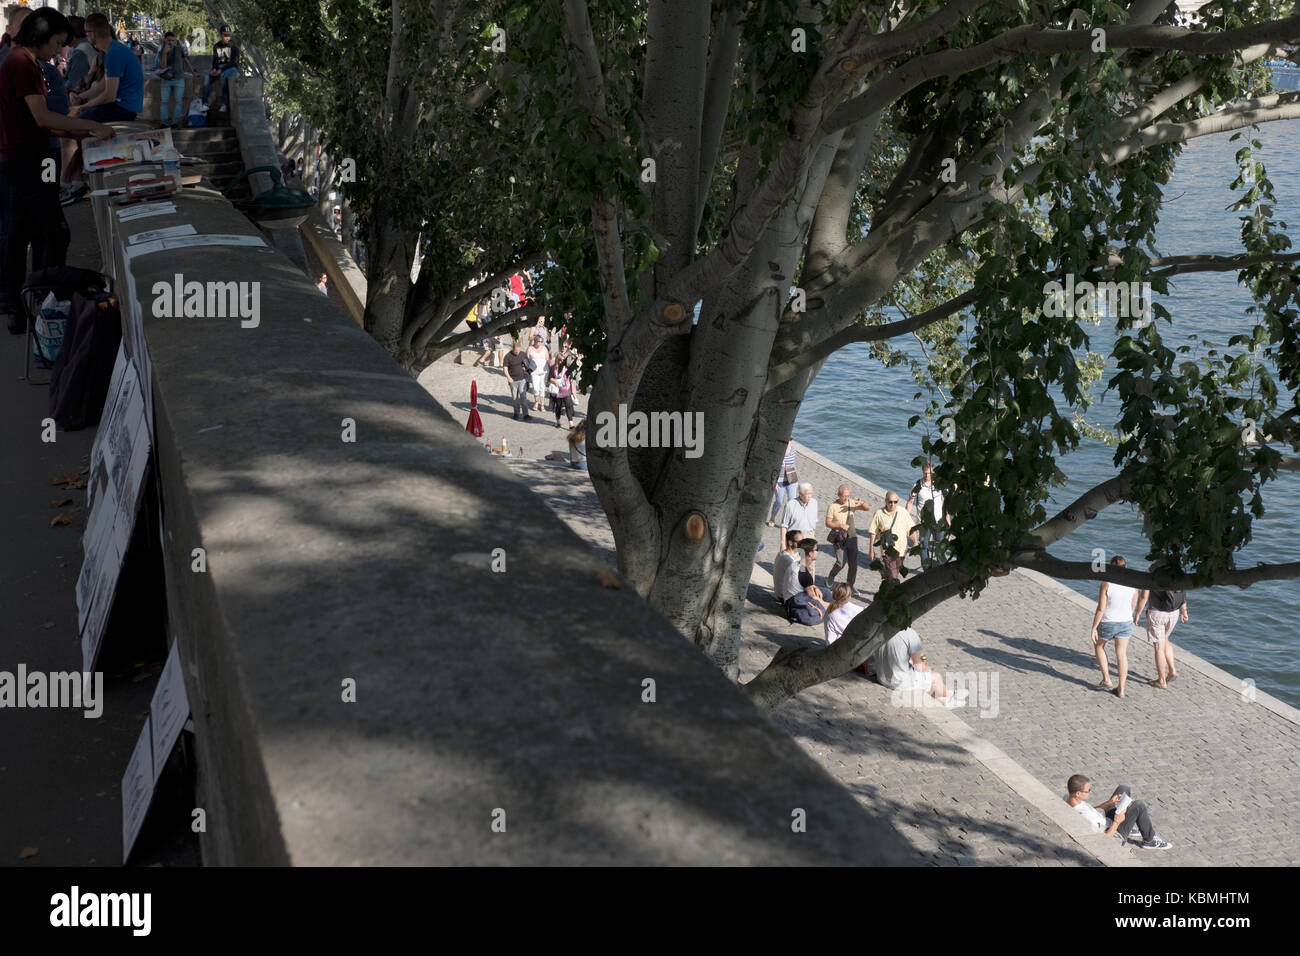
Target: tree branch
point(1179, 265)
point(1082, 571)
point(882, 46)
point(480, 289)
point(505, 322)
point(1264, 109)
point(672, 105)
point(1083, 509)
point(1031, 38)
point(790, 672)
point(787, 368)
point(604, 216)
point(828, 236)
point(717, 99)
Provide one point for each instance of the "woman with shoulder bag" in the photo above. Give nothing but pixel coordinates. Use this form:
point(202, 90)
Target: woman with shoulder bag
point(560, 387)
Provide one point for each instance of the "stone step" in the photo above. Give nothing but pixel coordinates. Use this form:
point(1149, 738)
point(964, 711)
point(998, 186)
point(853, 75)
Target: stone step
point(202, 136)
point(220, 166)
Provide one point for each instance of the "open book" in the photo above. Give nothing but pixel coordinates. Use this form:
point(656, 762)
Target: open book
point(126, 150)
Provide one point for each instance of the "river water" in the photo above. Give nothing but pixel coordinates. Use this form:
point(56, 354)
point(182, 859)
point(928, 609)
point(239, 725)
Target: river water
point(856, 413)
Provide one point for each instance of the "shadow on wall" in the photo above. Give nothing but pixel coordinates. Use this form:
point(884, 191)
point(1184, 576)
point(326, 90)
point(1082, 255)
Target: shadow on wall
point(475, 691)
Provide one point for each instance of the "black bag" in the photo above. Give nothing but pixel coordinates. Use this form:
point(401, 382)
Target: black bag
point(887, 539)
point(804, 609)
point(837, 537)
point(84, 368)
point(529, 364)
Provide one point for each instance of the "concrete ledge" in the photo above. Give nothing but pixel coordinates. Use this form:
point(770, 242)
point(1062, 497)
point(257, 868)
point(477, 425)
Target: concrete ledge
point(257, 148)
point(477, 692)
point(345, 277)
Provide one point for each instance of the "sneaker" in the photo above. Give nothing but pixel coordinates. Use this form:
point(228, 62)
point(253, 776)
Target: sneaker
point(70, 193)
point(1155, 843)
point(223, 108)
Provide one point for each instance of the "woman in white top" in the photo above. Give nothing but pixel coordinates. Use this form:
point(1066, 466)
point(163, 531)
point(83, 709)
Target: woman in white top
point(841, 611)
point(1113, 620)
point(541, 357)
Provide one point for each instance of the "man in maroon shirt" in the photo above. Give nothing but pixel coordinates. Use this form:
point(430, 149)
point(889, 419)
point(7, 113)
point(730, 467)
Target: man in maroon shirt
point(31, 191)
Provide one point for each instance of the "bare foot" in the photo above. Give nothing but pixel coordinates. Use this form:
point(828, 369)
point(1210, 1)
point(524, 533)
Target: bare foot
point(1156, 683)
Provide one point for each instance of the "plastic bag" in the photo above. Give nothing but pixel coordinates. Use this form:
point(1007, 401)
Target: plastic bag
point(50, 323)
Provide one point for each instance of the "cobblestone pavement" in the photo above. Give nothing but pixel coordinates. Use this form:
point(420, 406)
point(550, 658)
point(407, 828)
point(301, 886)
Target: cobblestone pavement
point(1213, 766)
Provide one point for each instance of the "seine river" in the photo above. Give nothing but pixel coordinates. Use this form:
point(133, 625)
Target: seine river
point(856, 413)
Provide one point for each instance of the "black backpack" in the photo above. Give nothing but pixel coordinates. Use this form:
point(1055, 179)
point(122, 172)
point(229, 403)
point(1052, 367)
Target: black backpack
point(84, 368)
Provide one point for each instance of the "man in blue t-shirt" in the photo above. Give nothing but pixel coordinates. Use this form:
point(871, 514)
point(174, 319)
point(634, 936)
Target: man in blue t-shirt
point(119, 96)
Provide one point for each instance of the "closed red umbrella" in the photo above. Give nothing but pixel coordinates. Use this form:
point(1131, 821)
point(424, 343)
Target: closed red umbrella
point(475, 424)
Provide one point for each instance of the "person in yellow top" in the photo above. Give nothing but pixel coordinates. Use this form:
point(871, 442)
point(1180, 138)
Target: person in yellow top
point(892, 530)
point(843, 536)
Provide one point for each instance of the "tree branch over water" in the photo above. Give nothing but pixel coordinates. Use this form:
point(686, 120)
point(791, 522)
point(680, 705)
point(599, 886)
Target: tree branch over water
point(1083, 571)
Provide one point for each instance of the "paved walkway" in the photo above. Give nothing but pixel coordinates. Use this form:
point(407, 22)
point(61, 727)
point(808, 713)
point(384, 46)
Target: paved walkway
point(60, 774)
point(983, 784)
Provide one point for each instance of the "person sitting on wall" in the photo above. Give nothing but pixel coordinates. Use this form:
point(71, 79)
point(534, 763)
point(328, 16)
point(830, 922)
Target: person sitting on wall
point(119, 96)
point(225, 64)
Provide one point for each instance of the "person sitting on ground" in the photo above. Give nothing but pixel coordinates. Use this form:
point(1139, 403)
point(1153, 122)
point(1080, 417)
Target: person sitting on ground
point(786, 568)
point(807, 605)
point(1113, 620)
point(840, 612)
point(1122, 813)
point(901, 665)
point(578, 445)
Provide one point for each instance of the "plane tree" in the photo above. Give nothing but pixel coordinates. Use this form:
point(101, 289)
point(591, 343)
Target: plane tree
point(765, 182)
point(401, 93)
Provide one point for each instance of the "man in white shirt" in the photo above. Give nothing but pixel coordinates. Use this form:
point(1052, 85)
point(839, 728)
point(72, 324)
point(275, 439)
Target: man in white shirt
point(800, 513)
point(786, 568)
point(1122, 821)
point(900, 665)
point(926, 495)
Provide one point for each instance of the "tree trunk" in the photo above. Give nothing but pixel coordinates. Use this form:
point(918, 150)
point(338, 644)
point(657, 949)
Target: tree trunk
point(700, 585)
point(388, 277)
